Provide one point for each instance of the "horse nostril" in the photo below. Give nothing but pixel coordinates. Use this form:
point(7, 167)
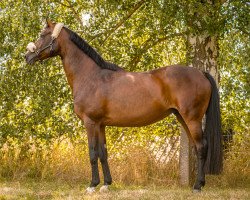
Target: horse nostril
point(26, 57)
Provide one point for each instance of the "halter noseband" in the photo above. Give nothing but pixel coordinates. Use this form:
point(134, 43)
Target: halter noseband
point(49, 45)
point(57, 29)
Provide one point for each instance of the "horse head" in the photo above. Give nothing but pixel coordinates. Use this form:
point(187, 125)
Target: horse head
point(47, 45)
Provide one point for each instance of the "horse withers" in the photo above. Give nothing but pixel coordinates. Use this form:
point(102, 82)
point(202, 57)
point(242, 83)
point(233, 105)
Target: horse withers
point(107, 95)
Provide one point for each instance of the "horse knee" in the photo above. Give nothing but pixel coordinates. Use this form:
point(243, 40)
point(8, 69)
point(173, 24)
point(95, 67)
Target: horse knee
point(93, 157)
point(93, 161)
point(103, 157)
point(102, 154)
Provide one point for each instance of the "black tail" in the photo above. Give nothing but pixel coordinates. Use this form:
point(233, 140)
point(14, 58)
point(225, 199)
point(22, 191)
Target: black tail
point(214, 159)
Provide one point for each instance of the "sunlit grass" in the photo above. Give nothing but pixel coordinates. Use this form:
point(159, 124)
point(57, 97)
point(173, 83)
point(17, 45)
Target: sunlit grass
point(60, 190)
point(67, 161)
point(61, 170)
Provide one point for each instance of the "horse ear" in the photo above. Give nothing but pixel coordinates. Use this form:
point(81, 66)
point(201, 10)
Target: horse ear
point(49, 23)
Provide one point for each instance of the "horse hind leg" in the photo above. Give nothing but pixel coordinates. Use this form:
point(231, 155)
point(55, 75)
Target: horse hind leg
point(199, 140)
point(194, 131)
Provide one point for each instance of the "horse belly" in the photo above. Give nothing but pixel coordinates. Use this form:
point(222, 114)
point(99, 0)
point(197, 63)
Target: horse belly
point(135, 100)
point(136, 115)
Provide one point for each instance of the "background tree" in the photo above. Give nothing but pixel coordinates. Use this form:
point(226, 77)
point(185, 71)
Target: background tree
point(138, 35)
point(204, 24)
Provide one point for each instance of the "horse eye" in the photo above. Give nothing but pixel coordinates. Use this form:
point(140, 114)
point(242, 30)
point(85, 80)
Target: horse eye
point(42, 35)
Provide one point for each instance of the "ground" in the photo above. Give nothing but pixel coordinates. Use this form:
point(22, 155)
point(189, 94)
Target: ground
point(51, 190)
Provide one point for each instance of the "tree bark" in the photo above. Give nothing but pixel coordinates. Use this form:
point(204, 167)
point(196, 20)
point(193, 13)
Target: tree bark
point(202, 53)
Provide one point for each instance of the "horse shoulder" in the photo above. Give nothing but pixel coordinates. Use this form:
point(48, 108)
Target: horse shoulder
point(89, 101)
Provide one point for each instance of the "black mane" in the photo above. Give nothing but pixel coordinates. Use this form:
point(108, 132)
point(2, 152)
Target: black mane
point(87, 49)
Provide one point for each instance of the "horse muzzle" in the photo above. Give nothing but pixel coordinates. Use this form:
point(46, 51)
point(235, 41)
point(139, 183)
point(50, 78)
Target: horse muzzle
point(30, 57)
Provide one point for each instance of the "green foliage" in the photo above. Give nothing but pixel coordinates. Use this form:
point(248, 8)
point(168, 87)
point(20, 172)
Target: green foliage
point(139, 35)
point(235, 87)
point(234, 64)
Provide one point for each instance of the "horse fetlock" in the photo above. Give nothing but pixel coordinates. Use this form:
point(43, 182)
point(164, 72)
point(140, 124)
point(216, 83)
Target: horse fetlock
point(198, 185)
point(197, 188)
point(94, 183)
point(108, 181)
point(203, 183)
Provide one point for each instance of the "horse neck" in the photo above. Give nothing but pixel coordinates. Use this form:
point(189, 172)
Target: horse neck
point(77, 65)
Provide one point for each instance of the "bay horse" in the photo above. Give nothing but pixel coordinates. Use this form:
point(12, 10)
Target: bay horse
point(106, 95)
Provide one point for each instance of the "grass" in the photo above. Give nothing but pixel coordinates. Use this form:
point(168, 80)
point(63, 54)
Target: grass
point(61, 190)
point(61, 171)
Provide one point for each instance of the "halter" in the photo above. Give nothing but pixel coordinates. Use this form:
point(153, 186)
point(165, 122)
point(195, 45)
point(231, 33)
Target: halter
point(57, 29)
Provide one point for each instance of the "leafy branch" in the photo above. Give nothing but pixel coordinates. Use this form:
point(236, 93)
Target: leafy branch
point(148, 44)
point(71, 7)
point(109, 32)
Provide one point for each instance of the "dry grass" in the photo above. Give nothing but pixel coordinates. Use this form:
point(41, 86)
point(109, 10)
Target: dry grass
point(58, 190)
point(30, 170)
point(139, 167)
point(64, 161)
point(60, 160)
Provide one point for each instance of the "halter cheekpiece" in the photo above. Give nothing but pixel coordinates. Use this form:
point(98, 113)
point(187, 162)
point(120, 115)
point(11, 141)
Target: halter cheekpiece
point(57, 29)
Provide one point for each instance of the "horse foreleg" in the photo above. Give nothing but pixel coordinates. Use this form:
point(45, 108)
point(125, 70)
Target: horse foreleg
point(103, 155)
point(92, 133)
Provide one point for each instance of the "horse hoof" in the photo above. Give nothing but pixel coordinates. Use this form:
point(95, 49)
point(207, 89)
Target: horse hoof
point(196, 190)
point(104, 189)
point(90, 190)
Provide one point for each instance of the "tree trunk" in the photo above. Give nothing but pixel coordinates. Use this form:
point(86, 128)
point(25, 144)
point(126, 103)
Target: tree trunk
point(202, 53)
point(186, 160)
